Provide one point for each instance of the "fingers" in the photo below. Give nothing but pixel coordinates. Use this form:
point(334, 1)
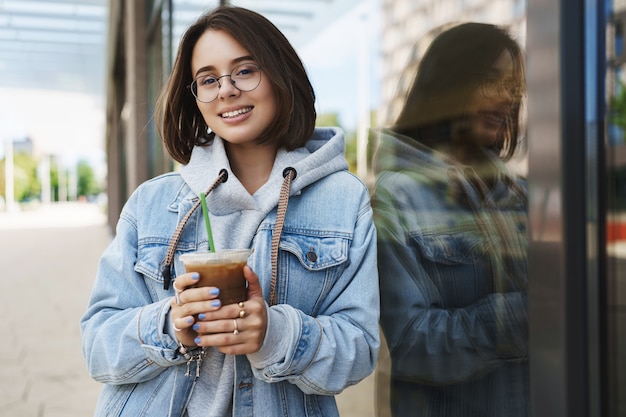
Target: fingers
point(232, 336)
point(206, 295)
point(189, 304)
point(254, 287)
point(184, 281)
point(235, 328)
point(252, 309)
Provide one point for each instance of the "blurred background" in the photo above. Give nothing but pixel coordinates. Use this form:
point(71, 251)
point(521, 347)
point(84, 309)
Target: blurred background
point(79, 79)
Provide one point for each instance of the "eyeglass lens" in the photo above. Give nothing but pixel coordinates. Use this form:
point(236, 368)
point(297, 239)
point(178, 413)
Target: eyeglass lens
point(245, 77)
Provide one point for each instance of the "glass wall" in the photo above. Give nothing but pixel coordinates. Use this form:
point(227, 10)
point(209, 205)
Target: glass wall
point(616, 207)
point(450, 204)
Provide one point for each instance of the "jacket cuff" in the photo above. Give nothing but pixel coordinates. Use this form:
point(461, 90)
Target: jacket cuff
point(159, 346)
point(274, 348)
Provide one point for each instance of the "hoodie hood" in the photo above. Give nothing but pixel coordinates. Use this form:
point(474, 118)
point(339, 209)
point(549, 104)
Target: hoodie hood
point(237, 213)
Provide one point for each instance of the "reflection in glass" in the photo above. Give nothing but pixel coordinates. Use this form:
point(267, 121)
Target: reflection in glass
point(452, 222)
point(616, 215)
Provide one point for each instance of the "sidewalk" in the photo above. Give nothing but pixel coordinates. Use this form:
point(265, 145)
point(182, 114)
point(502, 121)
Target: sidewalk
point(49, 258)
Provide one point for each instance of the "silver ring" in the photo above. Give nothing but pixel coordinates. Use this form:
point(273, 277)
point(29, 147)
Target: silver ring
point(176, 294)
point(236, 331)
point(176, 328)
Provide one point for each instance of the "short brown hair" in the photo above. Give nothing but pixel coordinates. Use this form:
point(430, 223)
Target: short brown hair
point(180, 122)
point(451, 69)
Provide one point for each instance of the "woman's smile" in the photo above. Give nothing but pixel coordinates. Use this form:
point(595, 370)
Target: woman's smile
point(230, 114)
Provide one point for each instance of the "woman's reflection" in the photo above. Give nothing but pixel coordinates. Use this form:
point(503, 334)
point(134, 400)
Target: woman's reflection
point(452, 221)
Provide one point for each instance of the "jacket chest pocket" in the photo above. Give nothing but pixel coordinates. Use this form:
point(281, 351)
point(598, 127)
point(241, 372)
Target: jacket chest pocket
point(308, 267)
point(458, 264)
point(451, 248)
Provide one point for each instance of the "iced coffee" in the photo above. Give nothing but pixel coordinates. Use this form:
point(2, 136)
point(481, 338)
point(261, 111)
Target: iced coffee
point(223, 269)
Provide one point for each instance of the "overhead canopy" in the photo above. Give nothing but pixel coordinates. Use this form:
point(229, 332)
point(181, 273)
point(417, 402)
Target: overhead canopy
point(61, 44)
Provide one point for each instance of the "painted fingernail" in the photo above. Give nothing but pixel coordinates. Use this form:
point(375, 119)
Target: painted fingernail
point(189, 320)
point(215, 291)
point(195, 276)
point(197, 340)
point(196, 327)
point(202, 316)
point(215, 303)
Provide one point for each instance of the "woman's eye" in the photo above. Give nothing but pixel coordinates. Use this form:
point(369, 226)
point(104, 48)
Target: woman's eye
point(207, 81)
point(245, 70)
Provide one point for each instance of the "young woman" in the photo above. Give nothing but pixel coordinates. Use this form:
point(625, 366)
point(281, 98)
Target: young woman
point(452, 222)
point(238, 114)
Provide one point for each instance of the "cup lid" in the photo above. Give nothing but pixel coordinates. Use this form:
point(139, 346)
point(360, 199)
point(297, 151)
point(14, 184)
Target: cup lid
point(204, 257)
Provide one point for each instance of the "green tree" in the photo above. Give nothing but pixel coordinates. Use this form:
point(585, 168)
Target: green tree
point(327, 119)
point(332, 119)
point(87, 182)
point(617, 108)
point(25, 182)
point(54, 179)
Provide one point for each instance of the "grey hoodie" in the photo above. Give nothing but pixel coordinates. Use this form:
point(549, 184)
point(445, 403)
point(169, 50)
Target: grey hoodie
point(234, 213)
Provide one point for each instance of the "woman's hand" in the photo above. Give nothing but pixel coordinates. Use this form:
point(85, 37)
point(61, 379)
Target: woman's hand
point(189, 305)
point(235, 329)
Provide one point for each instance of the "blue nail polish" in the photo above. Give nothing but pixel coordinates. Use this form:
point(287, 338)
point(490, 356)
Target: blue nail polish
point(197, 340)
point(195, 276)
point(202, 316)
point(215, 291)
point(189, 320)
point(196, 327)
point(215, 303)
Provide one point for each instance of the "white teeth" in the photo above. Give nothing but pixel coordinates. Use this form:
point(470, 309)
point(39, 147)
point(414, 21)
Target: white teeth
point(236, 112)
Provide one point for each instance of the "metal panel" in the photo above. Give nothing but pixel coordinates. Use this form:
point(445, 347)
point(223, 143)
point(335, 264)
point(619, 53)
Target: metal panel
point(560, 169)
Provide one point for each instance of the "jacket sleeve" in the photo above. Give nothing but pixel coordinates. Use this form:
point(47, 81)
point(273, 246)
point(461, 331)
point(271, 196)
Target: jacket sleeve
point(325, 353)
point(428, 342)
point(123, 333)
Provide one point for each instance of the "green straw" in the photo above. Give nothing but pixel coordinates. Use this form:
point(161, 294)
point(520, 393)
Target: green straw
point(205, 212)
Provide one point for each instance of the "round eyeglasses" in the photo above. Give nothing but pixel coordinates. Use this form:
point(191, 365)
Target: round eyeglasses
point(245, 77)
point(495, 87)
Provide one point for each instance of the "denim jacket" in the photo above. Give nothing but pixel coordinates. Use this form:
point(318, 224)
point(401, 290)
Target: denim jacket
point(322, 334)
point(453, 282)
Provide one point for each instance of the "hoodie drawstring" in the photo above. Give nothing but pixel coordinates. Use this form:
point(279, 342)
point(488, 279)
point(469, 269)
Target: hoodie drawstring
point(166, 264)
point(289, 175)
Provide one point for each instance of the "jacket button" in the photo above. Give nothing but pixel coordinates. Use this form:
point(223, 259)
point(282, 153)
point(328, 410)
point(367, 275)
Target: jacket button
point(311, 256)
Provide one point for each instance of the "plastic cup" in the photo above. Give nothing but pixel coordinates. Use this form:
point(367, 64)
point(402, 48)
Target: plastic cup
point(223, 269)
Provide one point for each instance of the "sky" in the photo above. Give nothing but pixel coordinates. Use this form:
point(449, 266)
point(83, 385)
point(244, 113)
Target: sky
point(68, 125)
point(336, 59)
point(72, 126)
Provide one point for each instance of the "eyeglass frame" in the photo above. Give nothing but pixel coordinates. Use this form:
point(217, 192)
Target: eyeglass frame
point(502, 86)
point(219, 85)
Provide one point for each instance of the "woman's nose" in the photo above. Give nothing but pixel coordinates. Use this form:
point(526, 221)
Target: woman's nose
point(227, 88)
